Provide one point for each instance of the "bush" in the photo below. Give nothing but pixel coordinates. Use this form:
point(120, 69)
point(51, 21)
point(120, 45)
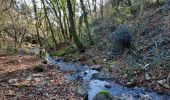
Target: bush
point(122, 39)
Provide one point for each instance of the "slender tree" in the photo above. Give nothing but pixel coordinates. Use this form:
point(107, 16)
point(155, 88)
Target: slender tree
point(37, 26)
point(95, 6)
point(89, 6)
point(157, 2)
point(72, 26)
point(101, 8)
point(58, 15)
point(49, 23)
point(86, 21)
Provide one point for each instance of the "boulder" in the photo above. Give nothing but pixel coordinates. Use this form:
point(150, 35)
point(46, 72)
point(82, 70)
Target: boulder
point(103, 95)
point(100, 76)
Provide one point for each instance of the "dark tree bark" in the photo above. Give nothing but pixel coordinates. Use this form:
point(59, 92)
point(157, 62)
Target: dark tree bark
point(72, 26)
point(86, 21)
point(157, 2)
point(59, 17)
point(90, 9)
point(38, 34)
point(101, 8)
point(49, 23)
point(95, 5)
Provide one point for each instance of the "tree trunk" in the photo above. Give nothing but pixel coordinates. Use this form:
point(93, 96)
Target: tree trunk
point(157, 2)
point(50, 26)
point(90, 9)
point(65, 26)
point(86, 21)
point(101, 8)
point(59, 17)
point(72, 26)
point(36, 26)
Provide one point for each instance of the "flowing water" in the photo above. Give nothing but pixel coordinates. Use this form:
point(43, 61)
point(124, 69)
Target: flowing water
point(94, 86)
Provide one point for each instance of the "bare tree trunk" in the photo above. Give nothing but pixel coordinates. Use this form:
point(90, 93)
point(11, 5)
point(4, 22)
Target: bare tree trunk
point(86, 21)
point(72, 26)
point(95, 5)
point(22, 37)
point(36, 18)
point(129, 3)
point(157, 2)
point(90, 9)
point(65, 25)
point(142, 6)
point(59, 17)
point(50, 26)
point(101, 8)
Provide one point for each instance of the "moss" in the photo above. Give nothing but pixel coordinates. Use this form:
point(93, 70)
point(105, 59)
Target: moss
point(103, 95)
point(62, 53)
point(103, 92)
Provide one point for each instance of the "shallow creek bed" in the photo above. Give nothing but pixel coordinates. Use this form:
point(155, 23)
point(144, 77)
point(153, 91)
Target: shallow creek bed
point(95, 82)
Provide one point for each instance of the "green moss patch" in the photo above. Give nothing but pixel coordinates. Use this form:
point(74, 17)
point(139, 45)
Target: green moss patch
point(62, 53)
point(103, 92)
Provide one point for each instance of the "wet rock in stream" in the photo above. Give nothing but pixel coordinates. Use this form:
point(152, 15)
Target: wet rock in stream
point(100, 76)
point(103, 96)
point(81, 90)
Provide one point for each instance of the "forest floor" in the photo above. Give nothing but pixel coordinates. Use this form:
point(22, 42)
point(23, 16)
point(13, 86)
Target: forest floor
point(19, 80)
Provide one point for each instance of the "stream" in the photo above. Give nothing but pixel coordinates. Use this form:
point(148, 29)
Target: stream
point(94, 82)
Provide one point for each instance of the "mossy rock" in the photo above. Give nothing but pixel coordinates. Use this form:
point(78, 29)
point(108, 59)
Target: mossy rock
point(103, 95)
point(38, 68)
point(103, 92)
point(62, 53)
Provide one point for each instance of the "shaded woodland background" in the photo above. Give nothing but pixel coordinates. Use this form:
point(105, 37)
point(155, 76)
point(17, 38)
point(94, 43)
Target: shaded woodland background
point(50, 23)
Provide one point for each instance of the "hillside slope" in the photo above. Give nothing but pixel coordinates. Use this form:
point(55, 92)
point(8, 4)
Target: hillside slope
point(148, 63)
